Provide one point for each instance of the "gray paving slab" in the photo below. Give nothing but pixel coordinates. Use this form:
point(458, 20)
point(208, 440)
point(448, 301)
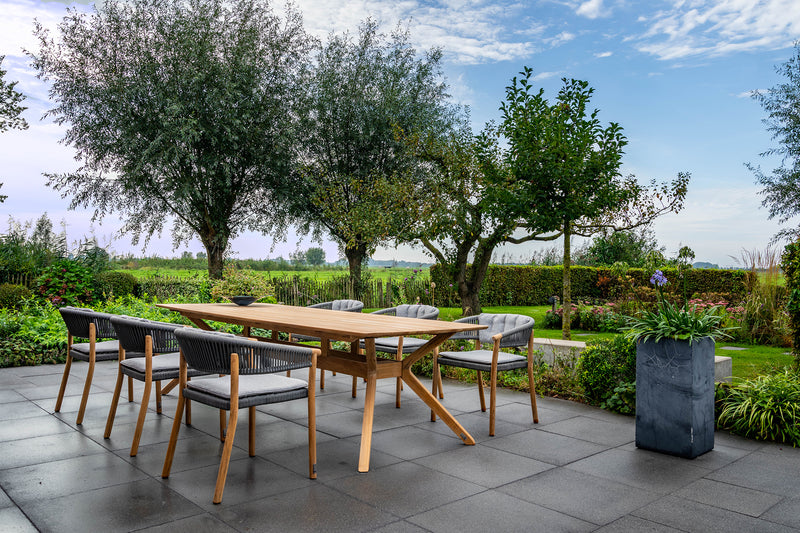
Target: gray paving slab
point(495, 511)
point(692, 516)
point(590, 498)
point(577, 470)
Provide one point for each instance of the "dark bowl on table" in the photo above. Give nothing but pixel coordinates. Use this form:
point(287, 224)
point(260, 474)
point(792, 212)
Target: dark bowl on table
point(243, 300)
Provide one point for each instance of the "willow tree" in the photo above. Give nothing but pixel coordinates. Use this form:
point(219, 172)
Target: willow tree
point(177, 109)
point(564, 177)
point(356, 176)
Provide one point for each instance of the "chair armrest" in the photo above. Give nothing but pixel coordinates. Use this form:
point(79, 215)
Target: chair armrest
point(387, 311)
point(515, 337)
point(467, 335)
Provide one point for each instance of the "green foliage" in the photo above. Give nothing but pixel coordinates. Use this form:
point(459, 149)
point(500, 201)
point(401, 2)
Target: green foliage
point(564, 170)
point(66, 282)
point(790, 265)
point(29, 247)
point(782, 104)
point(670, 321)
point(242, 283)
point(111, 284)
point(191, 105)
point(765, 408)
point(623, 400)
point(32, 335)
point(165, 288)
point(359, 178)
point(12, 296)
point(533, 285)
point(631, 247)
point(10, 108)
point(315, 256)
point(605, 365)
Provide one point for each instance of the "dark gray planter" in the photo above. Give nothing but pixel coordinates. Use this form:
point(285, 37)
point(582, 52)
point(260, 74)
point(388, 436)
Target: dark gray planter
point(675, 396)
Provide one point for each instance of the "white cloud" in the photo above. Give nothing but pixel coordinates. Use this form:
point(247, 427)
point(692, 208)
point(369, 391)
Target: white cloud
point(470, 31)
point(719, 27)
point(591, 9)
point(561, 38)
point(604, 54)
point(545, 75)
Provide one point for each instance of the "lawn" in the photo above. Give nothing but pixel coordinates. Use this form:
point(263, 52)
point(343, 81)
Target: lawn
point(383, 274)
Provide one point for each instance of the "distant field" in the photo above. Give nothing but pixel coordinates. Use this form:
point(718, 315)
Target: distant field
point(377, 273)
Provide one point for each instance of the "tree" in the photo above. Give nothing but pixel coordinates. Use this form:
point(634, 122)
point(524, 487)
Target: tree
point(10, 108)
point(563, 176)
point(183, 109)
point(315, 256)
point(781, 188)
point(298, 258)
point(459, 220)
point(356, 176)
point(10, 104)
point(627, 246)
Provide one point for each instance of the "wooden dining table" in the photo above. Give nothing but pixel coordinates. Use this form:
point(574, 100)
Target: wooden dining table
point(349, 327)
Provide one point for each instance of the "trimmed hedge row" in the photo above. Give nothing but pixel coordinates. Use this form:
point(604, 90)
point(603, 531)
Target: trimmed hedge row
point(533, 285)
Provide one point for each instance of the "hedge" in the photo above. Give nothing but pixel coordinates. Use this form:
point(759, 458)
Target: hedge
point(533, 285)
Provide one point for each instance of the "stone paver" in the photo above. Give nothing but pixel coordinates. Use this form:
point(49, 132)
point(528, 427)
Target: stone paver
point(577, 470)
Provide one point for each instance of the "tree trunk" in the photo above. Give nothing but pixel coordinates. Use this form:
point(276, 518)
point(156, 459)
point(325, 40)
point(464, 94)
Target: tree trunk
point(216, 254)
point(470, 302)
point(566, 300)
point(355, 257)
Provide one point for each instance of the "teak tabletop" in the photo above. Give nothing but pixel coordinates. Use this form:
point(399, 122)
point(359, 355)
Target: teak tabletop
point(350, 327)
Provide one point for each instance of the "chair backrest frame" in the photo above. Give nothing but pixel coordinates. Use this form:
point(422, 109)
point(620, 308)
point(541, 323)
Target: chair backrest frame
point(77, 320)
point(132, 332)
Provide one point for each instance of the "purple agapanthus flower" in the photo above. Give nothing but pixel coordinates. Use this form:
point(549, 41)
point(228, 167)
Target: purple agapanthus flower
point(658, 279)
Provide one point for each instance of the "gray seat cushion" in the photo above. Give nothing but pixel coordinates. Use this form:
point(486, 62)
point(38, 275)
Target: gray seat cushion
point(162, 362)
point(249, 385)
point(104, 351)
point(483, 357)
point(389, 344)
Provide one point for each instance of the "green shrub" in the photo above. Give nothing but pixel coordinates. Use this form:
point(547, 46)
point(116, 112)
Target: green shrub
point(604, 365)
point(66, 282)
point(111, 284)
point(765, 408)
point(244, 282)
point(12, 296)
point(623, 400)
point(165, 288)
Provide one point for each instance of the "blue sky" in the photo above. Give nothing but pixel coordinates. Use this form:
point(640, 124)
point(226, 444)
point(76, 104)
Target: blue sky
point(676, 74)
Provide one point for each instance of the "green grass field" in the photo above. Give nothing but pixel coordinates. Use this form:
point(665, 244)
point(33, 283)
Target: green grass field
point(322, 275)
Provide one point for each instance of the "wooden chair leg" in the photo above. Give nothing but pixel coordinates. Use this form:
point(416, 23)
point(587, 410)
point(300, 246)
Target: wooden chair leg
point(492, 401)
point(532, 387)
point(64, 379)
point(355, 385)
point(312, 421)
point(112, 412)
point(140, 420)
point(229, 437)
point(130, 389)
point(86, 388)
point(435, 383)
point(321, 379)
point(173, 437)
point(169, 386)
point(188, 412)
point(480, 391)
point(399, 385)
point(158, 397)
point(251, 433)
point(222, 425)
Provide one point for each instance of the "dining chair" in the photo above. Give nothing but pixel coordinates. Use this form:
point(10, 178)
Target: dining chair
point(248, 378)
point(87, 324)
point(398, 346)
point(352, 306)
point(148, 352)
point(503, 331)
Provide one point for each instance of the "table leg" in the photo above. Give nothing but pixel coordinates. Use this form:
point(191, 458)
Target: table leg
point(369, 406)
point(436, 407)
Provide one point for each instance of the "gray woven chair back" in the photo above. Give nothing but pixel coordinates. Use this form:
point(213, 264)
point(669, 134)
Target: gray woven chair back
point(210, 351)
point(427, 312)
point(78, 319)
point(501, 323)
point(132, 332)
point(353, 306)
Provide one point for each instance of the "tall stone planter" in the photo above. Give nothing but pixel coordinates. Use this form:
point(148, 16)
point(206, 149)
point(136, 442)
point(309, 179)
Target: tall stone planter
point(675, 396)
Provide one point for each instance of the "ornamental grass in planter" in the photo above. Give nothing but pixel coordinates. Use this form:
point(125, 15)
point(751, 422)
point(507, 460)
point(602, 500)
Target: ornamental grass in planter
point(675, 375)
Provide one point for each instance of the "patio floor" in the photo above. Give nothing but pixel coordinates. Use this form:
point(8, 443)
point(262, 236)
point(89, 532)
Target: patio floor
point(577, 470)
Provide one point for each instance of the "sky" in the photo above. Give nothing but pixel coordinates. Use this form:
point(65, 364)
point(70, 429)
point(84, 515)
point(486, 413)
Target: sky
point(677, 75)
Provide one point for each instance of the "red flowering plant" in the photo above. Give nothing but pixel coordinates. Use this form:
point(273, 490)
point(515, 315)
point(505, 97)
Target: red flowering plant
point(65, 282)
